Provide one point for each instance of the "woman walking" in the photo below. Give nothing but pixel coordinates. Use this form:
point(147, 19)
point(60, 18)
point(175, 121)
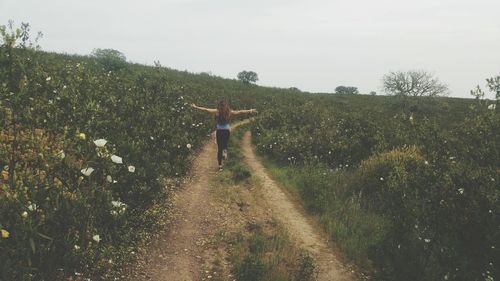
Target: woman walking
point(223, 117)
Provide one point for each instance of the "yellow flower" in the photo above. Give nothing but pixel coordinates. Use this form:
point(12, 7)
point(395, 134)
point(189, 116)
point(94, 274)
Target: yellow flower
point(5, 233)
point(81, 136)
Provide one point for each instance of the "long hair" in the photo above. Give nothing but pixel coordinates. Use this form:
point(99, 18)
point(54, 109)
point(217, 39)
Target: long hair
point(224, 113)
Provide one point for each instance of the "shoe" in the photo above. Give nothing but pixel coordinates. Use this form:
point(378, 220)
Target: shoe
point(224, 154)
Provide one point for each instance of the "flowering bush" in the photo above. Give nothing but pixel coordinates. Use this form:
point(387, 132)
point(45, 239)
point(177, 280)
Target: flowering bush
point(429, 168)
point(84, 152)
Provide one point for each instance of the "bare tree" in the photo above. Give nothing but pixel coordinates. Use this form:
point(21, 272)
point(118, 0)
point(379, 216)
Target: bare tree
point(414, 83)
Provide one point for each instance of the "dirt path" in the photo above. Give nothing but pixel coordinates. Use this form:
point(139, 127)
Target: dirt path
point(184, 251)
point(205, 215)
point(292, 216)
point(178, 254)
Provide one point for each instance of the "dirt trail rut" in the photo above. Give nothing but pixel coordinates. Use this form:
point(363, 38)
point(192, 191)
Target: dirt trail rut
point(292, 216)
point(180, 253)
point(177, 255)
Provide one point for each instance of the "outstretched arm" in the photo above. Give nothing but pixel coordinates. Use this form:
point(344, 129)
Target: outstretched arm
point(236, 112)
point(210, 110)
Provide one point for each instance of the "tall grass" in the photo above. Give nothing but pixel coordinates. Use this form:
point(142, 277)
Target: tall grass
point(264, 252)
point(324, 193)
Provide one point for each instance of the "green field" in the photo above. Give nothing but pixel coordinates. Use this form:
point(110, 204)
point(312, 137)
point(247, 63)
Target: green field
point(407, 187)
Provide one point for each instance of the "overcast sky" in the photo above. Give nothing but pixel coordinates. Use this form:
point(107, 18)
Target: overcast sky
point(314, 45)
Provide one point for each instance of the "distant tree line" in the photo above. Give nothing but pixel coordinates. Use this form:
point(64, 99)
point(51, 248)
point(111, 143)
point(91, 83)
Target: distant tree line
point(413, 83)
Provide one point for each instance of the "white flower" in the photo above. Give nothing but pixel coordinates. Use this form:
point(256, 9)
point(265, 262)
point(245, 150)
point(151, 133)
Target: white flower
point(96, 238)
point(61, 154)
point(109, 178)
point(492, 106)
point(32, 207)
point(87, 171)
point(48, 78)
point(118, 208)
point(24, 214)
point(100, 142)
point(77, 247)
point(188, 146)
point(381, 178)
point(116, 159)
point(116, 204)
point(131, 168)
point(426, 162)
point(461, 190)
point(427, 240)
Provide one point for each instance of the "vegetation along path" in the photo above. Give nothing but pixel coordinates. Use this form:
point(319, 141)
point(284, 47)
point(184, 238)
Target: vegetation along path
point(299, 226)
point(186, 251)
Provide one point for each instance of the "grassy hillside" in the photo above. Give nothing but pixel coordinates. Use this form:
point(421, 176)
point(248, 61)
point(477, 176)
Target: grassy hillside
point(70, 203)
point(407, 187)
point(85, 154)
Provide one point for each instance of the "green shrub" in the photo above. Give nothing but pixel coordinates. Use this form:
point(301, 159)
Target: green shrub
point(252, 268)
point(266, 253)
point(315, 188)
point(53, 108)
point(240, 173)
point(383, 180)
point(420, 174)
point(307, 268)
